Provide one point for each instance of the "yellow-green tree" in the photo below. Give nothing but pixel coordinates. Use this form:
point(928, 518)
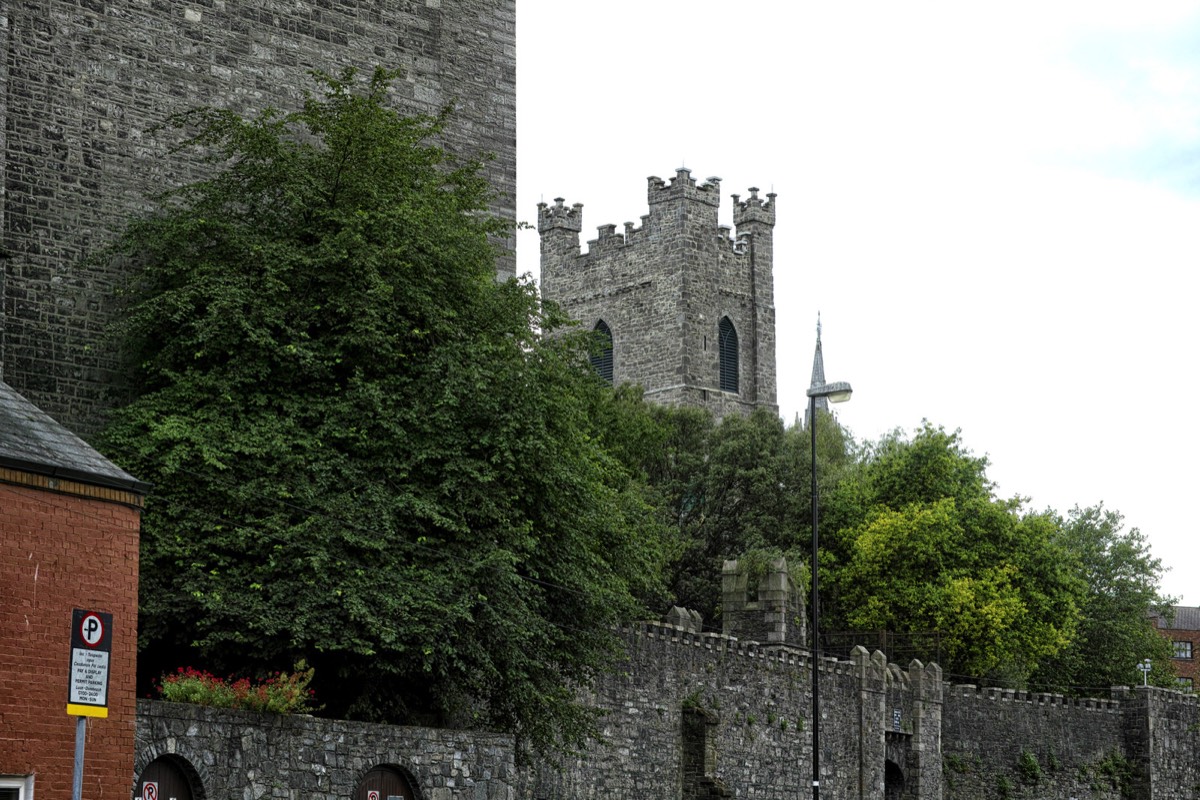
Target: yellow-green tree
point(927, 548)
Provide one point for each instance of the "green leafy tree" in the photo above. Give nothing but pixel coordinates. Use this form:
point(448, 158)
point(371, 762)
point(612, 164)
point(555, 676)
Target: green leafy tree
point(1123, 587)
point(737, 488)
point(362, 454)
point(927, 548)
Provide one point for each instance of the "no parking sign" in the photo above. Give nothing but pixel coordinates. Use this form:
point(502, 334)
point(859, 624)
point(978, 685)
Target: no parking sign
point(150, 790)
point(91, 651)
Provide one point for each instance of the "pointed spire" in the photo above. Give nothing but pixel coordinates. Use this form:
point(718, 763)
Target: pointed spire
point(818, 373)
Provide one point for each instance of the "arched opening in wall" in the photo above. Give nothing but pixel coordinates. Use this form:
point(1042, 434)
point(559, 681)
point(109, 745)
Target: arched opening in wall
point(699, 756)
point(387, 782)
point(169, 778)
point(602, 355)
point(727, 350)
point(893, 781)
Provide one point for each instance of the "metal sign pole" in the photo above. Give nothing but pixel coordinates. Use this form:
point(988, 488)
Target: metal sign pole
point(80, 741)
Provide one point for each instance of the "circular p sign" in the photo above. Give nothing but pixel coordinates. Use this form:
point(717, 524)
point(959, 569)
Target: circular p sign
point(91, 630)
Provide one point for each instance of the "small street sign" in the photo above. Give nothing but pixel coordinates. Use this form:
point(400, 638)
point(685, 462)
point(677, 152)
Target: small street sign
point(150, 790)
point(91, 652)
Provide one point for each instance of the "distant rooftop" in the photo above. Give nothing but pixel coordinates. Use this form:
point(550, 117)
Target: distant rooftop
point(1187, 618)
point(31, 441)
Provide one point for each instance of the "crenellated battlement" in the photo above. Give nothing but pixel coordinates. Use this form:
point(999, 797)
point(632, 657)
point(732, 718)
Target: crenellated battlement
point(754, 216)
point(753, 210)
point(683, 187)
point(559, 217)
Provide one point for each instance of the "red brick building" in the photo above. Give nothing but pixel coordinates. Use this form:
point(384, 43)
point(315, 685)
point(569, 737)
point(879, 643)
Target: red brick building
point(1184, 633)
point(69, 523)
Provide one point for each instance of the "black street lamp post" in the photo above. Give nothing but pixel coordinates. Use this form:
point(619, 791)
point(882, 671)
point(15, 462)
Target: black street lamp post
point(837, 392)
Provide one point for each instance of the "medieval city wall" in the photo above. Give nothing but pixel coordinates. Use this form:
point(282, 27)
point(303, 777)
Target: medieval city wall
point(752, 709)
point(236, 754)
point(695, 715)
point(83, 85)
point(1006, 743)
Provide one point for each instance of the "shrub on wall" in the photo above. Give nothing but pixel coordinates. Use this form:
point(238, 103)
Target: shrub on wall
point(282, 693)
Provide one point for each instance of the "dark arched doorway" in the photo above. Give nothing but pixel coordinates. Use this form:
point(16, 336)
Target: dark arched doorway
point(893, 781)
point(169, 778)
point(385, 783)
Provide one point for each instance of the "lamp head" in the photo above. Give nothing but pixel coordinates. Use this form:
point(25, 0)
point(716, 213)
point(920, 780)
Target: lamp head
point(836, 392)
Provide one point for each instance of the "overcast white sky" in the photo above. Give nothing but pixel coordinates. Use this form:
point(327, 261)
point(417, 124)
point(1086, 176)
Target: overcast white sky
point(993, 206)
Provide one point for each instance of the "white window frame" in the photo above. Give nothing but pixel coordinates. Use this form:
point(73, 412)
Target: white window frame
point(22, 783)
point(1180, 645)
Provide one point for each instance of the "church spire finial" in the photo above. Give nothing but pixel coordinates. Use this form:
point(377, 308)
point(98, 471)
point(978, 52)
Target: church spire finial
point(818, 373)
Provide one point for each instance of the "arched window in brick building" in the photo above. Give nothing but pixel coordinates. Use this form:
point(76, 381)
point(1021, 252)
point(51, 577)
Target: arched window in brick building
point(727, 345)
point(602, 358)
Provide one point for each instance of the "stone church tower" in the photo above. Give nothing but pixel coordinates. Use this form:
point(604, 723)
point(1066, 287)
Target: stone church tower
point(688, 308)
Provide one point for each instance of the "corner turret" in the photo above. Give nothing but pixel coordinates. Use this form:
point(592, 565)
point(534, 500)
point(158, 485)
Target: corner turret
point(754, 211)
point(683, 200)
point(559, 227)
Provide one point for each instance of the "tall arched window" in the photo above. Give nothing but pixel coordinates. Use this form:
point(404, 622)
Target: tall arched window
point(602, 353)
point(727, 345)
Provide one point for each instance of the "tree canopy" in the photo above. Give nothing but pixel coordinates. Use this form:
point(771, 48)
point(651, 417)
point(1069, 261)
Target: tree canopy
point(363, 452)
point(1121, 580)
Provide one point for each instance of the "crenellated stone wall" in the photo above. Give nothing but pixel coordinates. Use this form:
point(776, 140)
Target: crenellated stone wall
point(699, 715)
point(690, 715)
point(239, 754)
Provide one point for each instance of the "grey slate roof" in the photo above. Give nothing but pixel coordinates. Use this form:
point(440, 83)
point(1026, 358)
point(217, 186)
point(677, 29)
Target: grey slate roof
point(1187, 618)
point(33, 442)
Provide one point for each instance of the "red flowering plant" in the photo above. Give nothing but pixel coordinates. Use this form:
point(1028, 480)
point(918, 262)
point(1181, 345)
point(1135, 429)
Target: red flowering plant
point(281, 693)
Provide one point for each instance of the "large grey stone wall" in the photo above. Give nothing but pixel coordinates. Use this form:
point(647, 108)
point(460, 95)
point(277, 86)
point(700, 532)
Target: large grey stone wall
point(238, 754)
point(692, 715)
point(83, 84)
point(1139, 743)
point(663, 288)
point(758, 702)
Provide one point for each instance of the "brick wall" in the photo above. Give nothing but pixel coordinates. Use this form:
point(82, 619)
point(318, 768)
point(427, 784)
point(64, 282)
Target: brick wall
point(1185, 667)
point(60, 552)
point(82, 85)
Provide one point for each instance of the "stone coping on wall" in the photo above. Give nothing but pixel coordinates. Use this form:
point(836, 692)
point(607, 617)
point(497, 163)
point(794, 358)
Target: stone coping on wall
point(1119, 695)
point(783, 653)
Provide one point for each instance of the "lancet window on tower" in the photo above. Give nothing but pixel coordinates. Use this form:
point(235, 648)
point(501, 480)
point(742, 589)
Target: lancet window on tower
point(602, 356)
point(727, 344)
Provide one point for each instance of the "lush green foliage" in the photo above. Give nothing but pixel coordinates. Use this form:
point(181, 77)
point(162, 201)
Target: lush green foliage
point(281, 693)
point(735, 489)
point(1115, 634)
point(362, 453)
point(928, 548)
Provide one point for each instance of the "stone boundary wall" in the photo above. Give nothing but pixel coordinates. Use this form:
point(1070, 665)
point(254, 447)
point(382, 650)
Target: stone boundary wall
point(240, 754)
point(1172, 728)
point(1014, 744)
point(758, 702)
point(700, 715)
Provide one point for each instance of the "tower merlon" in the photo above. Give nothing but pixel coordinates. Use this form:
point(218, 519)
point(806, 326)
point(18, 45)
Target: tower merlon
point(683, 187)
point(754, 209)
point(560, 217)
